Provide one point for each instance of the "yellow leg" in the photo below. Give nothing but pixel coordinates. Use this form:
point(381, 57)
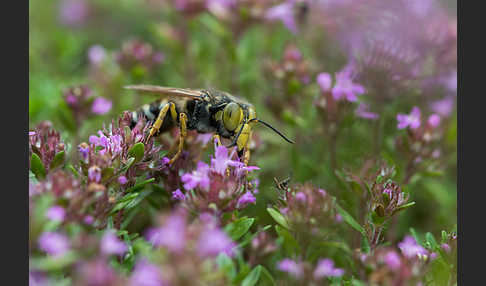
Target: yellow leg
point(160, 118)
point(182, 135)
point(217, 138)
point(246, 155)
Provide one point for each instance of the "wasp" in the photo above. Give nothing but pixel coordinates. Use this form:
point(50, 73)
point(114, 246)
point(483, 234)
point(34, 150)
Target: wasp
point(203, 110)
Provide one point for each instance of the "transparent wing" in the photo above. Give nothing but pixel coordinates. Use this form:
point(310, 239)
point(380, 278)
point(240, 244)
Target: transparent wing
point(167, 91)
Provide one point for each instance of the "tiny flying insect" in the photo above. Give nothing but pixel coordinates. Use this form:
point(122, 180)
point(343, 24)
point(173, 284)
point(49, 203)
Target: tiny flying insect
point(203, 110)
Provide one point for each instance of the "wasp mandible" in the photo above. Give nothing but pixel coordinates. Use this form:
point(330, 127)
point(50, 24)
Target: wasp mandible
point(203, 110)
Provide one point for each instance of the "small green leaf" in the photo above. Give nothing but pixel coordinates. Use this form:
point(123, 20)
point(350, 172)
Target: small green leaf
point(52, 263)
point(107, 173)
point(137, 151)
point(269, 278)
point(252, 277)
point(239, 227)
point(350, 220)
point(429, 238)
point(365, 245)
point(140, 186)
point(405, 206)
point(58, 160)
point(278, 217)
point(37, 167)
point(290, 245)
point(227, 265)
point(415, 235)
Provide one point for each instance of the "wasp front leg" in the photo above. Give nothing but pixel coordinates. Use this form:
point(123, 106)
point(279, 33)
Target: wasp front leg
point(160, 119)
point(182, 135)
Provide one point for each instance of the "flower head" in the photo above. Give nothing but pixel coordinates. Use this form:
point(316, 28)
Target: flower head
point(410, 248)
point(290, 266)
point(199, 177)
point(283, 12)
point(324, 80)
point(101, 105)
point(222, 160)
point(96, 54)
point(411, 120)
point(110, 244)
point(434, 120)
point(172, 234)
point(325, 268)
point(122, 180)
point(178, 195)
point(54, 243)
point(246, 199)
point(214, 241)
point(345, 88)
point(146, 274)
point(56, 213)
point(392, 260)
point(363, 112)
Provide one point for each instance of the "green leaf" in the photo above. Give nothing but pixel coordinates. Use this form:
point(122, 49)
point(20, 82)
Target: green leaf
point(252, 277)
point(278, 217)
point(53, 263)
point(106, 173)
point(58, 160)
point(415, 235)
point(140, 186)
point(239, 227)
point(365, 245)
point(429, 238)
point(226, 265)
point(290, 245)
point(37, 167)
point(350, 220)
point(137, 151)
point(405, 206)
point(268, 277)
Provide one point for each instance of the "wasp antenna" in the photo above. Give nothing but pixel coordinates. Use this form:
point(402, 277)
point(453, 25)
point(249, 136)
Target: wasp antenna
point(271, 127)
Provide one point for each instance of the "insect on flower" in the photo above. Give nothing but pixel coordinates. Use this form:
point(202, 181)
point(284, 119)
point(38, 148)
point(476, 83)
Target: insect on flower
point(206, 111)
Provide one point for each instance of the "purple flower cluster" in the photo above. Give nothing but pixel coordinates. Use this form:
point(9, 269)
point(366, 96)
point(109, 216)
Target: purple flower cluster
point(46, 143)
point(218, 184)
point(324, 268)
point(344, 87)
point(176, 234)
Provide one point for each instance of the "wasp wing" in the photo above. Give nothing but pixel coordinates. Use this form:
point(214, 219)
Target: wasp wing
point(168, 91)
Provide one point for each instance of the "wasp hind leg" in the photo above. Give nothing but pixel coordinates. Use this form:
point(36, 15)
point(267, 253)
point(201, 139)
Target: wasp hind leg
point(182, 135)
point(160, 119)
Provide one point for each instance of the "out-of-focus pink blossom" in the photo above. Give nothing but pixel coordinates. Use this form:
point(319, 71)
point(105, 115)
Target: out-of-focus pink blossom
point(434, 120)
point(324, 80)
point(290, 266)
point(54, 243)
point(171, 235)
point(96, 54)
point(411, 120)
point(56, 213)
point(110, 244)
point(325, 268)
point(392, 260)
point(101, 105)
point(73, 12)
point(245, 200)
point(410, 248)
point(214, 241)
point(283, 12)
point(198, 177)
point(363, 112)
point(345, 88)
point(178, 195)
point(444, 106)
point(146, 274)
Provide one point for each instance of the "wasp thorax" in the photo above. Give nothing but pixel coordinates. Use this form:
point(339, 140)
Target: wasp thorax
point(232, 115)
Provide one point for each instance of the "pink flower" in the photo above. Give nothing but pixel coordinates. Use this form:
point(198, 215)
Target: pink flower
point(171, 235)
point(56, 213)
point(122, 180)
point(94, 174)
point(411, 120)
point(214, 241)
point(110, 244)
point(283, 12)
point(198, 177)
point(325, 268)
point(392, 260)
point(54, 243)
point(246, 199)
point(410, 248)
point(146, 274)
point(445, 247)
point(324, 80)
point(96, 54)
point(345, 88)
point(101, 105)
point(178, 195)
point(222, 160)
point(434, 120)
point(290, 266)
point(444, 106)
point(300, 196)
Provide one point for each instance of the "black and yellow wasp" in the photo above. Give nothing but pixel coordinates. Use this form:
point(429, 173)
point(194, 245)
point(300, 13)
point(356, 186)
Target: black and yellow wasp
point(206, 111)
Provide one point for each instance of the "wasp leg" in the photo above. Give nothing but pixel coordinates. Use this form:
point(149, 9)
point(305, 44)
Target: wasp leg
point(160, 118)
point(182, 135)
point(217, 139)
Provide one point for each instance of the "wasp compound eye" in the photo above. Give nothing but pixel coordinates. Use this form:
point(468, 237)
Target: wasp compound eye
point(232, 115)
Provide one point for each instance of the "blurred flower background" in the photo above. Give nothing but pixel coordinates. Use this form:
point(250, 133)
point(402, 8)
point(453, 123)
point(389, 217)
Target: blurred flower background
point(365, 196)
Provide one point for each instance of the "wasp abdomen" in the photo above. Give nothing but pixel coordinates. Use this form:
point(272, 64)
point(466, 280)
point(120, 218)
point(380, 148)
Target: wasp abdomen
point(150, 112)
